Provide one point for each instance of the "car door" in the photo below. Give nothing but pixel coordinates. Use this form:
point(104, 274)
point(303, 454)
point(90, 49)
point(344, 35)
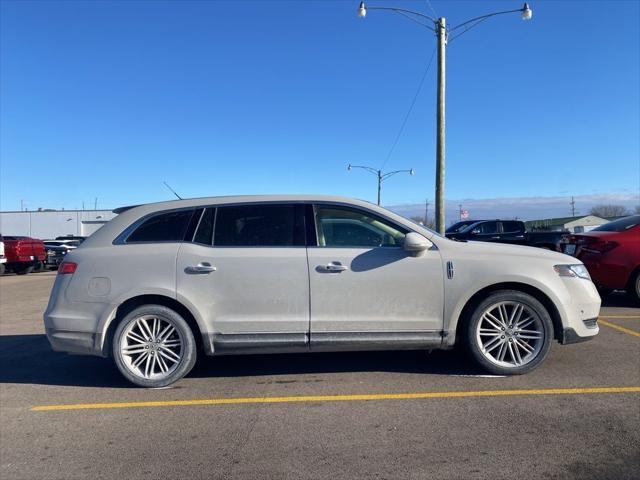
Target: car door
point(246, 273)
point(366, 290)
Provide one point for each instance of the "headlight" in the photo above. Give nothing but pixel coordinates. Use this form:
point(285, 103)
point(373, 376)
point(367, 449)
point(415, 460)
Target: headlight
point(572, 271)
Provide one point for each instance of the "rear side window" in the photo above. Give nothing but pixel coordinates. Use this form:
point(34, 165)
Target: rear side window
point(259, 226)
point(511, 227)
point(165, 227)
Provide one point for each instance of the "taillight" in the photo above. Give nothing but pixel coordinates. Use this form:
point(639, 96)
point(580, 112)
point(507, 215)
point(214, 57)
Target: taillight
point(67, 268)
point(600, 246)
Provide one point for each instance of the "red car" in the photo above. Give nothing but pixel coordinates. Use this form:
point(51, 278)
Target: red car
point(611, 253)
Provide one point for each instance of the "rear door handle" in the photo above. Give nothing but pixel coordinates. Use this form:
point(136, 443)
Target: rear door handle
point(334, 267)
point(202, 267)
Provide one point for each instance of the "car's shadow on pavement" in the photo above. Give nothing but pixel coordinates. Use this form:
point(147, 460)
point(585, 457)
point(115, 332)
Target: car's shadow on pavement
point(618, 299)
point(28, 359)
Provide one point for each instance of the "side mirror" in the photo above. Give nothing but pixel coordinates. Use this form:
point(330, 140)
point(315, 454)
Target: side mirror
point(416, 243)
point(475, 231)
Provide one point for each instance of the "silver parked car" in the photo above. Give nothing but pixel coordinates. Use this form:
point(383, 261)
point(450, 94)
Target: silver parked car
point(237, 275)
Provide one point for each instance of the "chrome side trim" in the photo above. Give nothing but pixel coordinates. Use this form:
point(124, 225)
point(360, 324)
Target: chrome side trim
point(255, 343)
point(354, 341)
point(450, 269)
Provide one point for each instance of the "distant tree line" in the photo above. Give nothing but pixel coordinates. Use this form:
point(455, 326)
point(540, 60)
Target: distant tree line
point(605, 210)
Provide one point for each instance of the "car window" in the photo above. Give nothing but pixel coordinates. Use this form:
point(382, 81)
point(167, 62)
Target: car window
point(204, 233)
point(511, 227)
point(486, 228)
point(259, 226)
point(459, 226)
point(165, 227)
point(621, 225)
point(345, 227)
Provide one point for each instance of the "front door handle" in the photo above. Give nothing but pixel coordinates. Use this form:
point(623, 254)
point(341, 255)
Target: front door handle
point(334, 267)
point(202, 267)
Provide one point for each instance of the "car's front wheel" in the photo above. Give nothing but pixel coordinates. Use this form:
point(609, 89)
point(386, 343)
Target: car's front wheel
point(509, 333)
point(153, 346)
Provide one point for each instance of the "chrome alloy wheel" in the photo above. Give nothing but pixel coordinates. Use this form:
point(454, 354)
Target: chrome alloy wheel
point(151, 347)
point(510, 334)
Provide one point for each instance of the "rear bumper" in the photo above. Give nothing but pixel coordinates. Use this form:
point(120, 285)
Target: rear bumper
point(606, 272)
point(79, 343)
point(75, 327)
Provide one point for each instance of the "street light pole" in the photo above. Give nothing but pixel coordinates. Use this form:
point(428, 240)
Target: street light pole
point(380, 175)
point(442, 33)
point(440, 120)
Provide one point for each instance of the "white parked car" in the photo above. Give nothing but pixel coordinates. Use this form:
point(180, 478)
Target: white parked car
point(237, 275)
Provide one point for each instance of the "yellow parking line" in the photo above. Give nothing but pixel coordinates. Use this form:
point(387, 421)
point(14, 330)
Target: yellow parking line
point(618, 327)
point(337, 398)
point(634, 317)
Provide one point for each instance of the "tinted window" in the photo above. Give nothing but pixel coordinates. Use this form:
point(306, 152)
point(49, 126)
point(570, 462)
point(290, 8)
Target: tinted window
point(204, 234)
point(620, 225)
point(345, 227)
point(485, 228)
point(166, 227)
point(511, 227)
point(459, 226)
point(259, 226)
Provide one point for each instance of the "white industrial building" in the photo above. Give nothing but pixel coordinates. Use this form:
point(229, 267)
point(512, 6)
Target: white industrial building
point(46, 224)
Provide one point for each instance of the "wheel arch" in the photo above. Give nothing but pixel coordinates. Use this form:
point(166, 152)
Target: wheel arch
point(536, 293)
point(150, 299)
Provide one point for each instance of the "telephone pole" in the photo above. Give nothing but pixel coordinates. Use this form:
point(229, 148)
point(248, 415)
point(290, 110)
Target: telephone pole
point(444, 35)
point(573, 207)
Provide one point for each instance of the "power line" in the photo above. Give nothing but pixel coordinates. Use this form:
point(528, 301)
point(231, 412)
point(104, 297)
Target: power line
point(406, 117)
point(432, 9)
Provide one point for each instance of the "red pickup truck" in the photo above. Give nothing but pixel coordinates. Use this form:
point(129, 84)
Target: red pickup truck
point(23, 254)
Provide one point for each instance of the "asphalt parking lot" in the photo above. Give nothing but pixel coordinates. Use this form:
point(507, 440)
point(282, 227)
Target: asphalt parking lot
point(356, 415)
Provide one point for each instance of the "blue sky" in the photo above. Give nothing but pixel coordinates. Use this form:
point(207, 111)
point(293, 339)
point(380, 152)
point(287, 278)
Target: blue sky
point(108, 99)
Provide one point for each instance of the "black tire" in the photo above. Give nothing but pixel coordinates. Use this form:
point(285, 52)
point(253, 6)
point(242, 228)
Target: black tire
point(633, 287)
point(2, 269)
point(188, 352)
point(23, 270)
point(471, 336)
point(38, 267)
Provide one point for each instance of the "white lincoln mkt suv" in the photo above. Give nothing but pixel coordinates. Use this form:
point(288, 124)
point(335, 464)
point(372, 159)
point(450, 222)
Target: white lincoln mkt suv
point(163, 282)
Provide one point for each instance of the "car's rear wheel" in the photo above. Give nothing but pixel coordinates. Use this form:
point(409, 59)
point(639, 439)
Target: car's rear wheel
point(509, 333)
point(153, 346)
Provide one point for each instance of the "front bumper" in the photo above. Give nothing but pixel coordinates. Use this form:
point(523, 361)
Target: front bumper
point(580, 311)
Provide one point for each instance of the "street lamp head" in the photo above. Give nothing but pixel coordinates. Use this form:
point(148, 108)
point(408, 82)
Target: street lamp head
point(349, 167)
point(412, 172)
point(362, 10)
point(527, 13)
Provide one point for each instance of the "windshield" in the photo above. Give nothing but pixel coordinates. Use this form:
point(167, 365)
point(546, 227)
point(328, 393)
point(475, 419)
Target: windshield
point(620, 225)
point(459, 226)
